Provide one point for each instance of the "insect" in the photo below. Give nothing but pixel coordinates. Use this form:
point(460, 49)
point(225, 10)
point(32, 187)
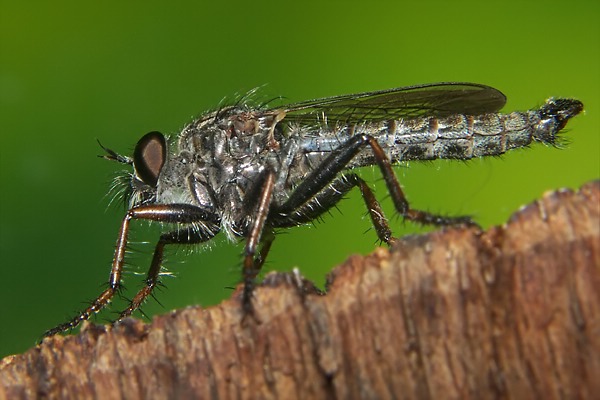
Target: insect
point(250, 171)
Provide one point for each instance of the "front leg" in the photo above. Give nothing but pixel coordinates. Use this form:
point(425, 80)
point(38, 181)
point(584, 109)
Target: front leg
point(191, 235)
point(169, 213)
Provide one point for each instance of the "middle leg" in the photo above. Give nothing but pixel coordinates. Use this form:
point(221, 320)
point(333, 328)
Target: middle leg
point(260, 212)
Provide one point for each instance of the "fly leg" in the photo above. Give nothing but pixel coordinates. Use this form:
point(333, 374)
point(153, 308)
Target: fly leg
point(267, 239)
point(190, 235)
point(253, 263)
point(313, 190)
point(314, 206)
point(172, 213)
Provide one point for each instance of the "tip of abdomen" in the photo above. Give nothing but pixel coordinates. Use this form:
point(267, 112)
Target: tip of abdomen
point(561, 110)
point(554, 115)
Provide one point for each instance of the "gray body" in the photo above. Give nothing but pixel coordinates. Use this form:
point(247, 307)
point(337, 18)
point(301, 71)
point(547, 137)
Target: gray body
point(248, 171)
point(218, 156)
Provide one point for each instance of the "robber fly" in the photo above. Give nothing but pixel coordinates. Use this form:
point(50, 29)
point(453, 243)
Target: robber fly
point(250, 171)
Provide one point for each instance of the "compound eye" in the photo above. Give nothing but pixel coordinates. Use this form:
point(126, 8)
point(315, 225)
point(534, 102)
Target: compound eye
point(149, 157)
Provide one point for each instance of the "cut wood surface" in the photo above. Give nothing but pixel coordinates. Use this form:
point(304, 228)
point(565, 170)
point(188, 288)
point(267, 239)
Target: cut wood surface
point(513, 312)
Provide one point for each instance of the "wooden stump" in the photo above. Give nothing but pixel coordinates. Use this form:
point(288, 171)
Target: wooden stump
point(513, 312)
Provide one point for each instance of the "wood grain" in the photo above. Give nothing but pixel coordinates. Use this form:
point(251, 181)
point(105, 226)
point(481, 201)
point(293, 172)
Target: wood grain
point(513, 312)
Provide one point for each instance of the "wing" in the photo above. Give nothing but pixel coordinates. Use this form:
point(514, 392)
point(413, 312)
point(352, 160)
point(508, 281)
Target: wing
point(435, 100)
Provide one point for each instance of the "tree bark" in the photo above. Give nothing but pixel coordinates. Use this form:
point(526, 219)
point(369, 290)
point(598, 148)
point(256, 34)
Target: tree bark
point(513, 312)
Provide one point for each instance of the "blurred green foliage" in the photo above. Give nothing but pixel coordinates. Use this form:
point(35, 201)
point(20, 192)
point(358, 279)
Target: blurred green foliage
point(71, 73)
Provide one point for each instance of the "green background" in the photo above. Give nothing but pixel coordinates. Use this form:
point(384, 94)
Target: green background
point(71, 73)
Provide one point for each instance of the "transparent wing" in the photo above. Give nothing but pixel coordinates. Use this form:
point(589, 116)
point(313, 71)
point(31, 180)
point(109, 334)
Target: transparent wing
point(435, 100)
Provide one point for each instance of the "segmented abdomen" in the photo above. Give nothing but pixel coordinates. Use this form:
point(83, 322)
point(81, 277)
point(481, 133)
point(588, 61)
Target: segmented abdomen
point(459, 136)
point(454, 137)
